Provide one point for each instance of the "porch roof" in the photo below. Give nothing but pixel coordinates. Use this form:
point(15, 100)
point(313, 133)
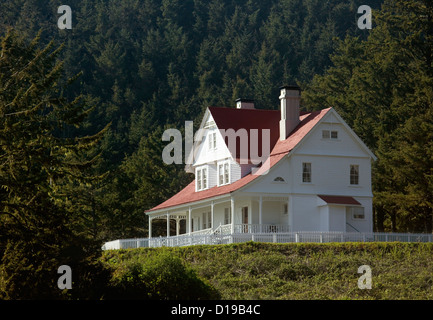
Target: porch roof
point(279, 150)
point(339, 200)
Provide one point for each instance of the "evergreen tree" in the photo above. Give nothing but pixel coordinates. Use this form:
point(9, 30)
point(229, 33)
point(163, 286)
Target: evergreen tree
point(37, 161)
point(382, 87)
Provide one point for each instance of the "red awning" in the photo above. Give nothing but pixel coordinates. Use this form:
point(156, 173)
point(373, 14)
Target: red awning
point(339, 200)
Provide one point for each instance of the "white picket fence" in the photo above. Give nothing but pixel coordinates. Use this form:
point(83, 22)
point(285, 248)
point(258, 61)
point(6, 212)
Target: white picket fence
point(283, 237)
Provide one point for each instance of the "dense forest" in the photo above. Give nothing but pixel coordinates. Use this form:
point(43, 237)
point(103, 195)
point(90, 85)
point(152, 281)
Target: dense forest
point(128, 69)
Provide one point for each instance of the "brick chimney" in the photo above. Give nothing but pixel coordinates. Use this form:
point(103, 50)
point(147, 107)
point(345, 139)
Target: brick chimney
point(244, 104)
point(290, 97)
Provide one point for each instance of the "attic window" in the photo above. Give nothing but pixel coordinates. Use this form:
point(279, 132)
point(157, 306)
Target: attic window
point(212, 141)
point(279, 179)
point(210, 125)
point(330, 134)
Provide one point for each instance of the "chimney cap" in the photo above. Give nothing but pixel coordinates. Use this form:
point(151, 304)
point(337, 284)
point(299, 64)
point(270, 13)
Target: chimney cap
point(244, 100)
point(291, 87)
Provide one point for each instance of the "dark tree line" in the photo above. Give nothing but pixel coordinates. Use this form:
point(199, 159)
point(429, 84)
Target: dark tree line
point(83, 110)
point(151, 64)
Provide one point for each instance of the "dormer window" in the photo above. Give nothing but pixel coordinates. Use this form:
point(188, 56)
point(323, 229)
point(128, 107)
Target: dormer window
point(223, 173)
point(201, 178)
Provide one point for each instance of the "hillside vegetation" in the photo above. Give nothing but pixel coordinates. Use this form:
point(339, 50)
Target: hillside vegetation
point(293, 271)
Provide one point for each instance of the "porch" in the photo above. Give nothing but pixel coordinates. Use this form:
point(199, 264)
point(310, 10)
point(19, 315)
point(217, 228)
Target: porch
point(244, 213)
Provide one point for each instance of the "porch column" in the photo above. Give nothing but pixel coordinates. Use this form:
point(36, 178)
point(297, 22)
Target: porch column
point(290, 213)
point(232, 209)
point(177, 226)
point(260, 213)
point(150, 227)
point(168, 224)
point(211, 213)
point(189, 220)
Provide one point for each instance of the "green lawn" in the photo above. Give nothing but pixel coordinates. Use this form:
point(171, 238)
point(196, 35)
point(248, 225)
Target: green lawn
point(301, 271)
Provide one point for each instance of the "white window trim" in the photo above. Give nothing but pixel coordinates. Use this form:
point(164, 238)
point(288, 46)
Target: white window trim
point(329, 138)
point(212, 140)
point(279, 182)
point(223, 163)
point(350, 175)
point(311, 173)
point(201, 182)
point(352, 213)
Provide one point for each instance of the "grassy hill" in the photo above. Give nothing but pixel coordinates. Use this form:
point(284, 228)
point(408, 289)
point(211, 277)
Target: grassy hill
point(292, 271)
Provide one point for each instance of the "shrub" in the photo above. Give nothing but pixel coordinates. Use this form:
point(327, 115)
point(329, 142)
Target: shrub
point(162, 276)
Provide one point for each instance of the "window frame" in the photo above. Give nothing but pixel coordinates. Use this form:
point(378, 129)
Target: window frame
point(308, 173)
point(354, 175)
point(329, 134)
point(202, 178)
point(212, 144)
point(352, 211)
point(224, 174)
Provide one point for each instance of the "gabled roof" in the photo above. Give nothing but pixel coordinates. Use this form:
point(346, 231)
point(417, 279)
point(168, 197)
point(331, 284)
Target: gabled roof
point(235, 118)
point(248, 119)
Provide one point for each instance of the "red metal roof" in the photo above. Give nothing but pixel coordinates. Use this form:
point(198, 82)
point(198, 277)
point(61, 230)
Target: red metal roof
point(339, 200)
point(226, 118)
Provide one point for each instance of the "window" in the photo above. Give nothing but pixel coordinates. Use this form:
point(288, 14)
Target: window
point(220, 174)
point(206, 220)
point(354, 174)
point(226, 173)
point(357, 213)
point(212, 140)
point(285, 208)
point(201, 178)
point(198, 179)
point(325, 134)
point(328, 134)
point(204, 174)
point(223, 173)
point(227, 216)
point(306, 172)
point(279, 179)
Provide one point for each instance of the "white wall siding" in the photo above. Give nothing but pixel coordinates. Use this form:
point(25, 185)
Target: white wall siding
point(331, 175)
point(306, 214)
point(213, 178)
point(235, 171)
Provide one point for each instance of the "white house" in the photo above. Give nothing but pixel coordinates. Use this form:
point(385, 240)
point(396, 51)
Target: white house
point(316, 175)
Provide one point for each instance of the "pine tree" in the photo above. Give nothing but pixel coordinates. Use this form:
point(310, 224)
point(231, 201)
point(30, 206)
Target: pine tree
point(382, 88)
point(37, 161)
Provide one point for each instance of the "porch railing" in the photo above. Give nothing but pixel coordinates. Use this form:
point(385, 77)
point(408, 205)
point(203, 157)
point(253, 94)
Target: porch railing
point(261, 228)
point(283, 237)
